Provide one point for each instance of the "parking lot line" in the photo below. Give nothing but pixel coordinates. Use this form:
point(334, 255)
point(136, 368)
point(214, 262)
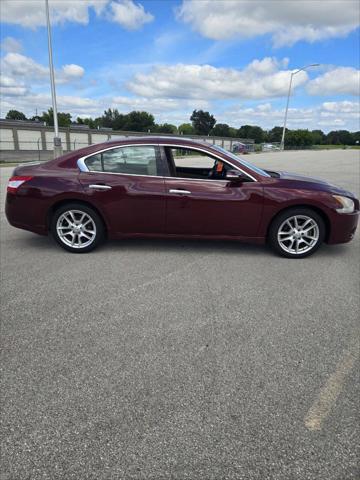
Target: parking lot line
point(328, 395)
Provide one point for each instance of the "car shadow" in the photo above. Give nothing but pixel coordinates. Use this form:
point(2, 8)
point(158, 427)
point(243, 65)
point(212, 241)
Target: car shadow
point(149, 245)
point(186, 245)
point(230, 247)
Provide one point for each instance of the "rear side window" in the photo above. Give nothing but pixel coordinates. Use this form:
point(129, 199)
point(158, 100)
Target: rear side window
point(94, 163)
point(139, 160)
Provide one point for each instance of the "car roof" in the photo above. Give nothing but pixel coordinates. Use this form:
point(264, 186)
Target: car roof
point(156, 139)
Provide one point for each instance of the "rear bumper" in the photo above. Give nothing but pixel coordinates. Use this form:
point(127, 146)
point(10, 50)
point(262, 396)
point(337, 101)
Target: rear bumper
point(343, 227)
point(20, 213)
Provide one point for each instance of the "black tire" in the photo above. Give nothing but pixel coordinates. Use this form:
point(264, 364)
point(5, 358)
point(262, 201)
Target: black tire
point(277, 225)
point(93, 223)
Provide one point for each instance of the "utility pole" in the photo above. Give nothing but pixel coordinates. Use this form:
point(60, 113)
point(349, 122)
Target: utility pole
point(57, 140)
point(282, 144)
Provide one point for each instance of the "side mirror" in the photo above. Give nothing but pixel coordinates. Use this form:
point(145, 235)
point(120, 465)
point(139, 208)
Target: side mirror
point(235, 176)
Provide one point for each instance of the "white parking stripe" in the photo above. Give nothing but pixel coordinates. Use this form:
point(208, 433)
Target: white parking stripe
point(328, 395)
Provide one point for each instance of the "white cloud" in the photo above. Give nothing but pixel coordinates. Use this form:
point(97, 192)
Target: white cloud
point(10, 44)
point(31, 13)
point(129, 14)
point(264, 78)
point(333, 124)
point(11, 87)
point(156, 105)
point(328, 115)
point(18, 66)
point(73, 71)
point(342, 107)
point(77, 106)
point(286, 21)
point(73, 102)
point(341, 80)
point(264, 115)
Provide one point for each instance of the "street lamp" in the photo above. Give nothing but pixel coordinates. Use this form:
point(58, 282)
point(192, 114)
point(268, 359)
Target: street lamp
point(57, 140)
point(288, 100)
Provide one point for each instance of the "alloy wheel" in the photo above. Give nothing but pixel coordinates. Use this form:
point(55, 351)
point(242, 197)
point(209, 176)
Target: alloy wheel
point(298, 234)
point(76, 229)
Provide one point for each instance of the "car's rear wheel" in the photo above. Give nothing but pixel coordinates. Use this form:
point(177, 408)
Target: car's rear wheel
point(297, 232)
point(77, 228)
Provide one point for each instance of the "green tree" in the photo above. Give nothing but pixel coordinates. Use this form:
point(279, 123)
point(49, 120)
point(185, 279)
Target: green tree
point(356, 138)
point(318, 137)
point(253, 132)
point(83, 121)
point(165, 128)
point(274, 135)
point(90, 122)
point(98, 122)
point(186, 129)
point(64, 119)
point(15, 115)
point(298, 138)
point(221, 130)
point(258, 134)
point(202, 122)
point(139, 121)
point(113, 119)
point(232, 132)
point(339, 137)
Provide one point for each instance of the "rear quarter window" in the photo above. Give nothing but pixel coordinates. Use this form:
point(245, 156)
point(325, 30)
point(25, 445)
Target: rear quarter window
point(94, 163)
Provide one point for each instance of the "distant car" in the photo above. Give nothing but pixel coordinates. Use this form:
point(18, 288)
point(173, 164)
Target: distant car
point(162, 186)
point(269, 147)
point(238, 147)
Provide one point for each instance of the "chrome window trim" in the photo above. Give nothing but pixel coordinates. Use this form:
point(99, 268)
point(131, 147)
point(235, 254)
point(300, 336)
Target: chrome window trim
point(83, 167)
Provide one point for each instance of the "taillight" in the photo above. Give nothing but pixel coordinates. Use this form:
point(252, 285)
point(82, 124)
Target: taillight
point(16, 182)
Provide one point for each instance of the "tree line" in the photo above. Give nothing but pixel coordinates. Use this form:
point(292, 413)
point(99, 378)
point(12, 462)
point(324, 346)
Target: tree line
point(202, 123)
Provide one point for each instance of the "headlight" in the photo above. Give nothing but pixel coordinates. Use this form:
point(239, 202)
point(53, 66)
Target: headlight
point(347, 205)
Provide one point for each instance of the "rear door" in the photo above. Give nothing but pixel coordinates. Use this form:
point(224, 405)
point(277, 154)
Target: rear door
point(209, 207)
point(126, 185)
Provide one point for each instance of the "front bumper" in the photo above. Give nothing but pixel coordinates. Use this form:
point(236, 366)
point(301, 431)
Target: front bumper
point(343, 227)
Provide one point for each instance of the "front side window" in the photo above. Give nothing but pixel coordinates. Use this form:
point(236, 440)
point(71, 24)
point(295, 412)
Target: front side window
point(138, 160)
point(189, 163)
point(252, 167)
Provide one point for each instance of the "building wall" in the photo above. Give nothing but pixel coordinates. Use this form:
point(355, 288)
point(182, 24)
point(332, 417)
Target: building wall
point(6, 139)
point(24, 141)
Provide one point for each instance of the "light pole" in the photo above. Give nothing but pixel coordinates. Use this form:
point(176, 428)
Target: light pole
point(282, 144)
point(57, 140)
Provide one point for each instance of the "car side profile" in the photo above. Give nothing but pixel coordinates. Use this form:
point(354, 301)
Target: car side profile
point(176, 187)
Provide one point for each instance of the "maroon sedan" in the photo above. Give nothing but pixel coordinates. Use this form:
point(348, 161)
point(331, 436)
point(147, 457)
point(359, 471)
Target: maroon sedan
point(156, 186)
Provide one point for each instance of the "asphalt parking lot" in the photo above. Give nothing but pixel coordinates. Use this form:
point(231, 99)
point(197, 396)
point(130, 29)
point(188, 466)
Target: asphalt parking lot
point(171, 359)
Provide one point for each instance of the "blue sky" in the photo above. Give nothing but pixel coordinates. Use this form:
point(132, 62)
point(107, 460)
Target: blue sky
point(231, 57)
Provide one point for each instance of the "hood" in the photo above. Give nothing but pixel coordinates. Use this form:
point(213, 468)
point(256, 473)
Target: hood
point(316, 183)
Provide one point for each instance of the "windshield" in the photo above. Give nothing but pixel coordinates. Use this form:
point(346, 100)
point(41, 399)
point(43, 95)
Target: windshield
point(250, 166)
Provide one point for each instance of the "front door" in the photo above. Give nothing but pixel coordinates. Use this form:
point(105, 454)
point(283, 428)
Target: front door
point(209, 207)
point(126, 186)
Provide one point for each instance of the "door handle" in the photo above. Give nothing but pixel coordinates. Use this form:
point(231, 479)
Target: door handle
point(181, 192)
point(100, 187)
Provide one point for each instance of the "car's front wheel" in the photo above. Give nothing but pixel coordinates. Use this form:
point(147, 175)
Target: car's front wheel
point(297, 232)
point(77, 228)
